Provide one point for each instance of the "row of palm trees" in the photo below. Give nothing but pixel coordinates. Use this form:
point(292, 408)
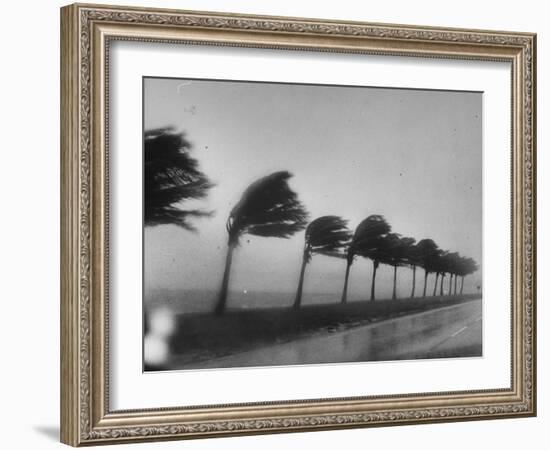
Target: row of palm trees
point(373, 239)
point(270, 208)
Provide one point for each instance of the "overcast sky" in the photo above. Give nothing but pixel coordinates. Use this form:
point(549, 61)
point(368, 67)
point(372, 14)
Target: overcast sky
point(413, 156)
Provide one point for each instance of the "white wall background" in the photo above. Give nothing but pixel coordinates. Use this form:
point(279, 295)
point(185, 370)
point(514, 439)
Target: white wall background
point(29, 224)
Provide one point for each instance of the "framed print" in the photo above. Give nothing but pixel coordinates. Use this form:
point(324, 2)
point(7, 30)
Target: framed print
point(268, 221)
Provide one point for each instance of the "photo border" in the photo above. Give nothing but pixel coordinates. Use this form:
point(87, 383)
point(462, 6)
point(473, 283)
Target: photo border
point(255, 82)
point(86, 31)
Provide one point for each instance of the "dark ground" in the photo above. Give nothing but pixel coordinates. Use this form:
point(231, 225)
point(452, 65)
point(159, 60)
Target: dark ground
point(202, 337)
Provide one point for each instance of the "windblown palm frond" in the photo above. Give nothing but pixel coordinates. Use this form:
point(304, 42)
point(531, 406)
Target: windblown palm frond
point(465, 266)
point(427, 253)
point(327, 235)
point(423, 254)
point(469, 266)
point(267, 208)
point(453, 261)
point(367, 239)
point(171, 176)
point(408, 251)
point(394, 250)
point(445, 262)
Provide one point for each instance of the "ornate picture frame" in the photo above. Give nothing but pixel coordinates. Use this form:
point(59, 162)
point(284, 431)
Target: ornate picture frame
point(87, 31)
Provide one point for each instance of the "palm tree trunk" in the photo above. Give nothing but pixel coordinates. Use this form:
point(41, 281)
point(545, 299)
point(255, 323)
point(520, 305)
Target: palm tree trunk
point(345, 291)
point(373, 283)
point(394, 293)
point(461, 285)
point(425, 283)
point(435, 283)
point(414, 281)
point(456, 278)
point(298, 299)
point(441, 286)
point(222, 299)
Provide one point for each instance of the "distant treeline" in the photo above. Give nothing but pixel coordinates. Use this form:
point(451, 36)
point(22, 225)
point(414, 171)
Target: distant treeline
point(270, 208)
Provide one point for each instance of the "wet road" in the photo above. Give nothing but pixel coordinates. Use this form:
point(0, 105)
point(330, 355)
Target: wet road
point(454, 331)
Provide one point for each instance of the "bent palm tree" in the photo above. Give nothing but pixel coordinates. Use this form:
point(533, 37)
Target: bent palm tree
point(171, 176)
point(267, 208)
point(409, 257)
point(434, 293)
point(427, 254)
point(413, 258)
point(453, 268)
point(394, 253)
point(467, 267)
point(366, 240)
point(326, 235)
point(442, 266)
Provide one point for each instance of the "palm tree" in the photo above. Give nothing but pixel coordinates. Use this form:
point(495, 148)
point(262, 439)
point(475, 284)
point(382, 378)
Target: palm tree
point(171, 176)
point(451, 266)
point(326, 235)
point(413, 258)
point(395, 252)
point(467, 266)
point(366, 241)
point(454, 267)
point(434, 293)
point(444, 267)
point(441, 284)
point(442, 270)
point(267, 208)
point(456, 281)
point(427, 255)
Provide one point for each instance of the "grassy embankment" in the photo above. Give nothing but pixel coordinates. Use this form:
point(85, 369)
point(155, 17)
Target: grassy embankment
point(200, 337)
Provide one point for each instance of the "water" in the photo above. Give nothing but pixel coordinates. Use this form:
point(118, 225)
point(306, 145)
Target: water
point(192, 301)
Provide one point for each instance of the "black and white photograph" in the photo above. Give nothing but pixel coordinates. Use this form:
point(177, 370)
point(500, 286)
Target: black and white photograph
point(293, 224)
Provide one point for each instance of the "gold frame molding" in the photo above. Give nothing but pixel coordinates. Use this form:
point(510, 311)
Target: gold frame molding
point(86, 31)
